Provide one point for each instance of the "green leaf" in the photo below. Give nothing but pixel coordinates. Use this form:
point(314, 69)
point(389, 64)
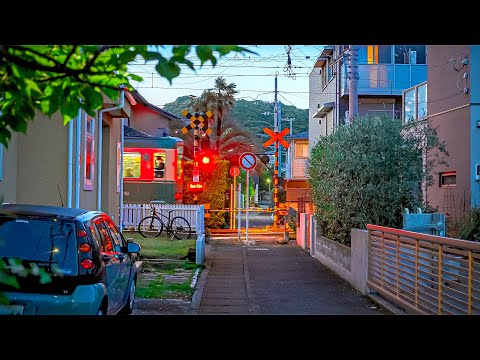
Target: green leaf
point(205, 53)
point(33, 85)
point(69, 110)
point(8, 279)
point(181, 51)
point(135, 77)
point(168, 70)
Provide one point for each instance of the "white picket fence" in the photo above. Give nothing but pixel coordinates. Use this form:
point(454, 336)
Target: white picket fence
point(134, 213)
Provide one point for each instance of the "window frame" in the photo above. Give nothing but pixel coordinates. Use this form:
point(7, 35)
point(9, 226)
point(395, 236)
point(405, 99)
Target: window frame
point(443, 175)
point(89, 135)
point(302, 145)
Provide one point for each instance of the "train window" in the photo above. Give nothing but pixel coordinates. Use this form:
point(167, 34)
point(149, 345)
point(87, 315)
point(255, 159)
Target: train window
point(179, 162)
point(131, 165)
point(159, 165)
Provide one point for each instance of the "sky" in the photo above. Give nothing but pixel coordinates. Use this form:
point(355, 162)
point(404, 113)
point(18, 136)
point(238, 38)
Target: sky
point(253, 74)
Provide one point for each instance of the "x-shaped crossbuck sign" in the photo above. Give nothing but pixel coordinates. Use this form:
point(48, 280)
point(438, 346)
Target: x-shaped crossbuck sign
point(276, 137)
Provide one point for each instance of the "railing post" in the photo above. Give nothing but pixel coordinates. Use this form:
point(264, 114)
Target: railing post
point(470, 281)
point(200, 243)
point(440, 276)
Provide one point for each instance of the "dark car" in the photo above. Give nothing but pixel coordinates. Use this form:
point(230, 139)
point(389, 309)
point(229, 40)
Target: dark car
point(75, 261)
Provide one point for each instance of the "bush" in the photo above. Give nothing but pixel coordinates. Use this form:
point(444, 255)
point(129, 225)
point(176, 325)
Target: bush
point(368, 172)
point(469, 225)
point(215, 185)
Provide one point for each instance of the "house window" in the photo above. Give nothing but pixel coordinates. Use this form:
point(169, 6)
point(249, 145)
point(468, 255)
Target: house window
point(1, 162)
point(415, 103)
point(448, 179)
point(301, 150)
point(410, 54)
point(159, 165)
point(89, 146)
point(119, 159)
point(375, 54)
point(131, 165)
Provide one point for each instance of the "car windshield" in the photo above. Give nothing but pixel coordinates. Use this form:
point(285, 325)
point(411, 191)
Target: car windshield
point(44, 241)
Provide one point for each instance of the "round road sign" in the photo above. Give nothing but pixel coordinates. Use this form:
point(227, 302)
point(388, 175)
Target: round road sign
point(234, 171)
point(248, 161)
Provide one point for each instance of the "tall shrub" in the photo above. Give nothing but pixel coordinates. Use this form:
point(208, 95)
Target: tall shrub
point(215, 185)
point(368, 172)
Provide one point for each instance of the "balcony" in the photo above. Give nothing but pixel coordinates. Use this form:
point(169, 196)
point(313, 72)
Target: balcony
point(385, 79)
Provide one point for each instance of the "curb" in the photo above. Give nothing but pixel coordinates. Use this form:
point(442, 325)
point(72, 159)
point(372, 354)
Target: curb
point(385, 304)
point(197, 294)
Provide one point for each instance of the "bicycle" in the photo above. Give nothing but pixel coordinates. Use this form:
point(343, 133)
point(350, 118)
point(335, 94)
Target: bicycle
point(152, 225)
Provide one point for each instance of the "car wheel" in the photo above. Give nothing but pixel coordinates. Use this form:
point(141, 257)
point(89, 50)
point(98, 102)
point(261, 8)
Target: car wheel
point(128, 308)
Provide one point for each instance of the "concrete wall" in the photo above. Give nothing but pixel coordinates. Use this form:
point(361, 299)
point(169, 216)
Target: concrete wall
point(350, 263)
point(42, 162)
point(8, 184)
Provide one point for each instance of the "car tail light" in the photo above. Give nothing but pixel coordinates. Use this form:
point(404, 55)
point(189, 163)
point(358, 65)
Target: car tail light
point(84, 247)
point(178, 196)
point(81, 233)
point(87, 264)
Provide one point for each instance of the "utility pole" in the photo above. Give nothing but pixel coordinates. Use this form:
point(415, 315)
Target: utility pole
point(352, 83)
point(276, 130)
point(288, 162)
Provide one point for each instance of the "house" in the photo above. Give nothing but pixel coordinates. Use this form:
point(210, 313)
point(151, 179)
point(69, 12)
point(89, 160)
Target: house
point(450, 99)
point(298, 193)
point(149, 118)
point(73, 165)
point(383, 72)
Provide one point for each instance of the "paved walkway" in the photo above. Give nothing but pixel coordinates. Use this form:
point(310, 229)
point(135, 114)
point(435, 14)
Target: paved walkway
point(269, 278)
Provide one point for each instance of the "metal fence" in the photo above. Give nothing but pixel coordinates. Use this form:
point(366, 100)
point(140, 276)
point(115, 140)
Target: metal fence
point(134, 213)
point(424, 273)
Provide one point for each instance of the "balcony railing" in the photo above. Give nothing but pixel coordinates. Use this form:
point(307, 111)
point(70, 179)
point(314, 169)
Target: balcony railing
point(385, 79)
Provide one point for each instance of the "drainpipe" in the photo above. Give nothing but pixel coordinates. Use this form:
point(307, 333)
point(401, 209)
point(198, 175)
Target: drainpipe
point(121, 175)
point(99, 162)
point(70, 164)
point(78, 156)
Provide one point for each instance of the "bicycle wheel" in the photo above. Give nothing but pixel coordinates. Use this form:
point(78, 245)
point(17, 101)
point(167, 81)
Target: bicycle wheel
point(180, 228)
point(150, 226)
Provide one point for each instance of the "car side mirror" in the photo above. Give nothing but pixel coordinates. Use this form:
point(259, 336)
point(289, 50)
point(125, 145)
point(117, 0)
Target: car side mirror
point(133, 247)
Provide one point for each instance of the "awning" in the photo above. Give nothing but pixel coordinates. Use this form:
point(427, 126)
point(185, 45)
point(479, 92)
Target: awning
point(321, 60)
point(327, 50)
point(324, 109)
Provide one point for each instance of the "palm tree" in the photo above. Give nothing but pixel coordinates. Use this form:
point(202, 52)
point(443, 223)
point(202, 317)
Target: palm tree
point(218, 100)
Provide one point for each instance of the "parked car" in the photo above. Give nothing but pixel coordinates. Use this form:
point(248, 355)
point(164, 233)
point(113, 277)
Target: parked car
point(92, 269)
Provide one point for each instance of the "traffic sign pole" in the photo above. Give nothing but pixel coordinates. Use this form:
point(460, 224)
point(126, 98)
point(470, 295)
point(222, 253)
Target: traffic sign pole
point(239, 212)
point(247, 205)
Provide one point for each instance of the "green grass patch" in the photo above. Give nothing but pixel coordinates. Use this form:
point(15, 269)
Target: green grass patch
point(152, 285)
point(161, 247)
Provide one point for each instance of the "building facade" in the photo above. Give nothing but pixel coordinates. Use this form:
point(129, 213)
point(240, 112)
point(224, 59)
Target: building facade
point(383, 72)
point(450, 100)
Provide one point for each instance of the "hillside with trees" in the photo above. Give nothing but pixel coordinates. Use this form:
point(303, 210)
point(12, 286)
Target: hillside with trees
point(253, 115)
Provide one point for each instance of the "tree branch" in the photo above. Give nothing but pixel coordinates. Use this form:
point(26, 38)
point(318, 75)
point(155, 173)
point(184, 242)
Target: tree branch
point(70, 55)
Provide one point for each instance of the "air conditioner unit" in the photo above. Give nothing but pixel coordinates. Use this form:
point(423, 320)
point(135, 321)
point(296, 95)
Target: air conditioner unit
point(413, 57)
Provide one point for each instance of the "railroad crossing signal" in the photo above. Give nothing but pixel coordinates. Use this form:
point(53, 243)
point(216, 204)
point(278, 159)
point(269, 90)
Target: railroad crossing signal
point(276, 137)
point(198, 120)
